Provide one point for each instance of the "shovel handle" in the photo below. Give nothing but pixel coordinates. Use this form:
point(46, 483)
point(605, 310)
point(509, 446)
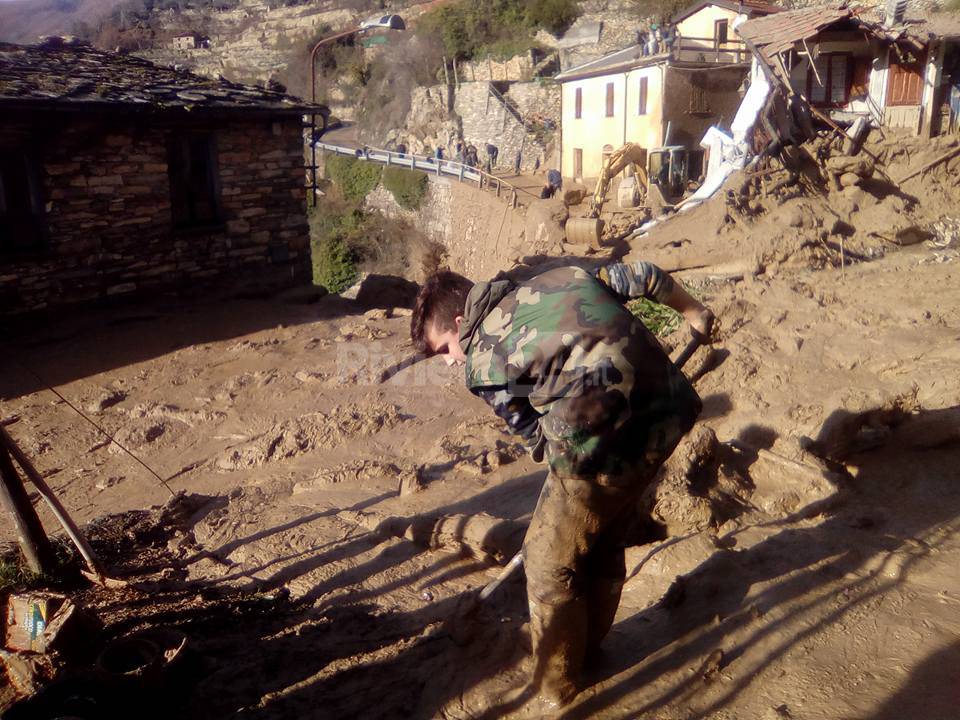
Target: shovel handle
point(507, 571)
point(696, 340)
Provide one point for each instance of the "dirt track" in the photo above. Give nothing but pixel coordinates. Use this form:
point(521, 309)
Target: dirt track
point(306, 568)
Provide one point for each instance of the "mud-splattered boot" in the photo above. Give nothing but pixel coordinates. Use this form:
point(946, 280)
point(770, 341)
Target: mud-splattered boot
point(558, 636)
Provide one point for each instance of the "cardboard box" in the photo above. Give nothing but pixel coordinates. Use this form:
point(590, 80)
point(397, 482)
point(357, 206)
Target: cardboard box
point(27, 617)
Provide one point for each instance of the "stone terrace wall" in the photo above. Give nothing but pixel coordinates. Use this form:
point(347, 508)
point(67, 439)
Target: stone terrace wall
point(109, 219)
point(519, 67)
point(482, 233)
point(485, 119)
point(537, 99)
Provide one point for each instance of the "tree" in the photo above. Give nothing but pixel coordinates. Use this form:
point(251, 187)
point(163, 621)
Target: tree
point(659, 10)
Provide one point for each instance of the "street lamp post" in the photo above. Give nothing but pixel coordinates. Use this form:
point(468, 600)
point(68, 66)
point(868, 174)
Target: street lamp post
point(389, 22)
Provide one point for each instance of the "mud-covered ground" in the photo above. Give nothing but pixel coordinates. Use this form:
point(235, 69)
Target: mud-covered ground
point(330, 525)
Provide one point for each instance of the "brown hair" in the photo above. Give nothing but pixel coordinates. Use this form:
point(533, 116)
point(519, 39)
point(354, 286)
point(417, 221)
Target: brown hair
point(440, 300)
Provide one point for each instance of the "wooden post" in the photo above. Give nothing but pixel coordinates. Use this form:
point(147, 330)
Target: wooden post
point(7, 443)
point(30, 534)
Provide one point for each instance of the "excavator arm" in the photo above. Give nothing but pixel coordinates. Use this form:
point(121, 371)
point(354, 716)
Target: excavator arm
point(631, 153)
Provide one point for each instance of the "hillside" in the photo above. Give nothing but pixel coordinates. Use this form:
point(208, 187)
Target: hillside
point(23, 21)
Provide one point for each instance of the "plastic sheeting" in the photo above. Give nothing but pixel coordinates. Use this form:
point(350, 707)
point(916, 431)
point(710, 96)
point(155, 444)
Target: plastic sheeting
point(732, 151)
point(727, 152)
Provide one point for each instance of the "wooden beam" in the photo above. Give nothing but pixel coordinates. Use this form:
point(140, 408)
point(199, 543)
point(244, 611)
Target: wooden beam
point(8, 443)
point(31, 537)
point(933, 163)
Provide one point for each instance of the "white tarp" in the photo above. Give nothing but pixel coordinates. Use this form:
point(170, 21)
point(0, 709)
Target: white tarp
point(727, 153)
point(730, 153)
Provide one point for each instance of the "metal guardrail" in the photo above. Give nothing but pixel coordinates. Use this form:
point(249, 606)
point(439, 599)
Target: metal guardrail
point(434, 166)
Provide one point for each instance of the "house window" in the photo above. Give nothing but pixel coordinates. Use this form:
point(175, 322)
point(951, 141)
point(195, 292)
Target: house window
point(830, 84)
point(577, 162)
point(610, 99)
point(721, 29)
point(21, 202)
point(699, 100)
point(194, 180)
point(860, 85)
point(642, 102)
point(605, 154)
point(578, 103)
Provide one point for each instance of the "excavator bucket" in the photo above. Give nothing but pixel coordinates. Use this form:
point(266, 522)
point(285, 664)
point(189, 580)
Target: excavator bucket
point(584, 231)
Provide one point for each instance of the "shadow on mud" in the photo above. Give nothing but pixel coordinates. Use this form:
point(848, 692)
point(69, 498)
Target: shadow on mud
point(55, 349)
point(263, 655)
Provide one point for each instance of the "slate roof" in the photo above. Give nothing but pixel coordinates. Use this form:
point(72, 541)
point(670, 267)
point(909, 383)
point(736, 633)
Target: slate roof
point(76, 76)
point(618, 61)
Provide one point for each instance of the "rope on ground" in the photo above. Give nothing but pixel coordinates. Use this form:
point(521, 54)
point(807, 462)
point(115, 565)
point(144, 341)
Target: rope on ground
point(98, 427)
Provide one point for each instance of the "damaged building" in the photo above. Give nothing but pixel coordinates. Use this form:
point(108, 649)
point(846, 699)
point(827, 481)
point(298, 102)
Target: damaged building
point(119, 177)
point(898, 68)
point(653, 97)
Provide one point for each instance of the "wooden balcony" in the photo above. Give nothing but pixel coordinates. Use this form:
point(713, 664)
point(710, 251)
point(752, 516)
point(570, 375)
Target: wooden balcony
point(695, 49)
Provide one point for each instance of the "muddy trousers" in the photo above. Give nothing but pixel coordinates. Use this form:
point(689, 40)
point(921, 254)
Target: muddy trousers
point(574, 560)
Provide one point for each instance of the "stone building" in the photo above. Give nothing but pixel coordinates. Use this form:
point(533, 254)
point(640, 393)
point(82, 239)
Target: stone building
point(120, 177)
point(190, 41)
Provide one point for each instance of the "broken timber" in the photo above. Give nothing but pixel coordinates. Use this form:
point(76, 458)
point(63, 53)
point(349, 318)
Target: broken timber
point(8, 444)
point(933, 163)
point(31, 537)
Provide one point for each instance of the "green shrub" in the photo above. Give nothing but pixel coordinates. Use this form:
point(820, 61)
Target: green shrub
point(495, 27)
point(334, 261)
point(659, 10)
point(355, 178)
point(334, 264)
point(554, 16)
point(659, 319)
point(408, 187)
point(505, 49)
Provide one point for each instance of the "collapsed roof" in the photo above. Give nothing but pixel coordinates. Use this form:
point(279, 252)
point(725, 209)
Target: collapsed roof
point(774, 34)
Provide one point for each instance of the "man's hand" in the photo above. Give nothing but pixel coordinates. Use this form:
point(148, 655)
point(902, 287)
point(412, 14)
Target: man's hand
point(702, 321)
point(698, 316)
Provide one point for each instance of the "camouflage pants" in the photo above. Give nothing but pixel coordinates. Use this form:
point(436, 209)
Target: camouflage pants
point(573, 551)
point(575, 570)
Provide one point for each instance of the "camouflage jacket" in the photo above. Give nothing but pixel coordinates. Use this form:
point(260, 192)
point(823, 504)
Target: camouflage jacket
point(566, 365)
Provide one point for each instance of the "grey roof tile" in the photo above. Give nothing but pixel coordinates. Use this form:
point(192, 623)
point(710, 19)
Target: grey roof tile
point(66, 75)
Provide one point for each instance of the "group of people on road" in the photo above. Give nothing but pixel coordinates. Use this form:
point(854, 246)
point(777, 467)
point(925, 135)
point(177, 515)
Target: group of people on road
point(466, 154)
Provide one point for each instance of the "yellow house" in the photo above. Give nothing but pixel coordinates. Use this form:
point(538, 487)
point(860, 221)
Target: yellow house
point(687, 84)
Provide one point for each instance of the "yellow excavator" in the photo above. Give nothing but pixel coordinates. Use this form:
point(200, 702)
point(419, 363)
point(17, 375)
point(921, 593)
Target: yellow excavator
point(666, 166)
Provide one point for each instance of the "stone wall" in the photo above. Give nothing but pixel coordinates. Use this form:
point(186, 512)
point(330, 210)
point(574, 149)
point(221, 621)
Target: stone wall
point(250, 42)
point(517, 68)
point(485, 119)
point(482, 233)
point(108, 213)
point(536, 99)
point(619, 21)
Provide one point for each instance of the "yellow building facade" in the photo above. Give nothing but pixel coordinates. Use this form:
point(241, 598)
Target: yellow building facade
point(622, 96)
point(587, 137)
